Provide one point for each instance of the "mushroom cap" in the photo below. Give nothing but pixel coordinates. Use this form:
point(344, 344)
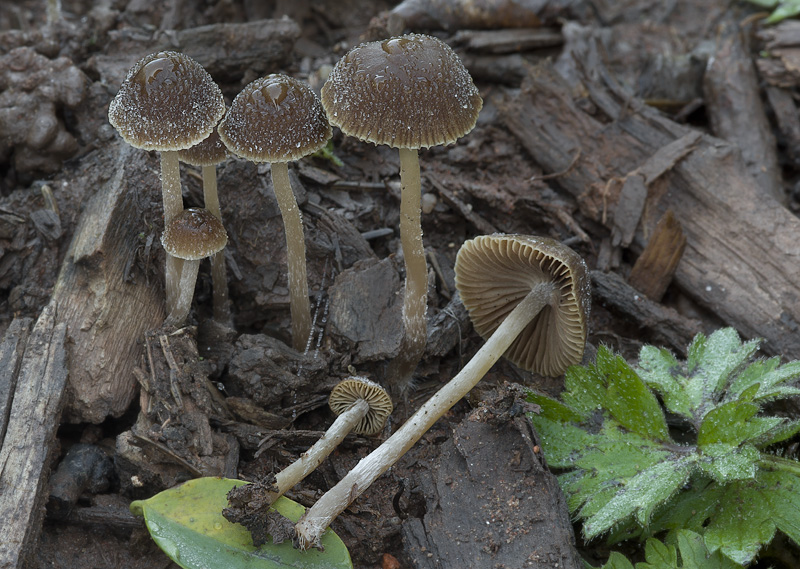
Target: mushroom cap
point(495, 272)
point(275, 119)
point(166, 102)
point(350, 390)
point(208, 152)
point(194, 234)
point(410, 91)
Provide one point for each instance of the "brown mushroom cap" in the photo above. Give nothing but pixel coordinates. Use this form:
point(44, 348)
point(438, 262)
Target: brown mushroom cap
point(194, 234)
point(352, 389)
point(410, 91)
point(209, 152)
point(275, 119)
point(166, 102)
point(495, 272)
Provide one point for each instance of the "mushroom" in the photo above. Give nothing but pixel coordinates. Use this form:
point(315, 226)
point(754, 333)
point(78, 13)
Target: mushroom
point(207, 155)
point(167, 102)
point(362, 407)
point(408, 92)
point(278, 119)
point(530, 296)
point(192, 235)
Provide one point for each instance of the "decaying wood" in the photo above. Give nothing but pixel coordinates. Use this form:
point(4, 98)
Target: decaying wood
point(491, 501)
point(11, 352)
point(104, 297)
point(29, 440)
point(742, 260)
point(781, 67)
point(508, 40)
point(653, 270)
point(666, 326)
point(730, 84)
point(459, 14)
point(786, 117)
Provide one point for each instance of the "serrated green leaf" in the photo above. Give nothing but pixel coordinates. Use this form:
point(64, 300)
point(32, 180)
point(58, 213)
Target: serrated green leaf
point(629, 400)
point(641, 494)
point(658, 556)
point(617, 561)
point(782, 432)
point(585, 388)
point(695, 554)
point(659, 369)
point(552, 409)
point(787, 9)
point(187, 524)
point(734, 423)
point(768, 375)
point(726, 463)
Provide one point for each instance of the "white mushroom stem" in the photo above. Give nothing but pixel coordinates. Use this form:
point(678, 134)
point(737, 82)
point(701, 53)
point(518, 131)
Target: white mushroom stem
point(310, 527)
point(415, 296)
point(173, 205)
point(219, 277)
point(296, 256)
point(313, 457)
point(184, 301)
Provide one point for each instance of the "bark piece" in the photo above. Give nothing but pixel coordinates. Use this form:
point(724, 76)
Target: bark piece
point(666, 325)
point(786, 116)
point(508, 40)
point(29, 439)
point(781, 67)
point(12, 349)
point(730, 84)
point(491, 501)
point(738, 239)
point(655, 267)
point(104, 298)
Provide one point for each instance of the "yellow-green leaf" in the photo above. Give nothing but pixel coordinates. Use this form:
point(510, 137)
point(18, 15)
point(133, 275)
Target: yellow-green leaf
point(187, 524)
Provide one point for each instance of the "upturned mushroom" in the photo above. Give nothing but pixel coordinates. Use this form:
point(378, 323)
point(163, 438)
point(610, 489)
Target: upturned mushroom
point(362, 407)
point(530, 297)
point(279, 119)
point(407, 92)
point(167, 102)
point(192, 235)
point(207, 154)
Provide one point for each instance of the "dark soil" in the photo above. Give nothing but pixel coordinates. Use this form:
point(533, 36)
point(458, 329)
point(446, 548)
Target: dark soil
point(249, 403)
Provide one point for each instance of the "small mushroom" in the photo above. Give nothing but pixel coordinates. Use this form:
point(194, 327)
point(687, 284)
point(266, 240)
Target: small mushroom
point(192, 235)
point(207, 155)
point(530, 295)
point(278, 119)
point(167, 102)
point(362, 407)
point(408, 92)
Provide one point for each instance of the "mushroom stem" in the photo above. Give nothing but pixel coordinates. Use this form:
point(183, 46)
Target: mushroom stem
point(184, 301)
point(320, 450)
point(311, 525)
point(173, 206)
point(415, 297)
point(219, 279)
point(296, 256)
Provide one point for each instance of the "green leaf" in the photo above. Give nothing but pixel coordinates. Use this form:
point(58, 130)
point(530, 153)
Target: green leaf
point(552, 409)
point(187, 524)
point(660, 371)
point(629, 400)
point(617, 561)
point(695, 554)
point(726, 463)
point(641, 495)
point(787, 9)
point(734, 423)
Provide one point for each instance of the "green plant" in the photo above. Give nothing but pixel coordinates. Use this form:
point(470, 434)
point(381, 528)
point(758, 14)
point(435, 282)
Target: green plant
point(187, 524)
point(781, 9)
point(630, 469)
point(691, 553)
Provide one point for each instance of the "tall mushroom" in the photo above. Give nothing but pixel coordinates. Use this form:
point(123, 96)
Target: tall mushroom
point(167, 102)
point(207, 155)
point(192, 235)
point(407, 92)
point(278, 119)
point(362, 407)
point(530, 296)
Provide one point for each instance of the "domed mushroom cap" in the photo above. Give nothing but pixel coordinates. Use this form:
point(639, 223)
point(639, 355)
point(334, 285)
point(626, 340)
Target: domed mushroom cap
point(410, 91)
point(495, 272)
point(352, 389)
point(194, 234)
point(166, 102)
point(208, 152)
point(275, 119)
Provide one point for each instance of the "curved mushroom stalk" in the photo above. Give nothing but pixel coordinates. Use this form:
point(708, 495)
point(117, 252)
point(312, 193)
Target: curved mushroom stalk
point(554, 305)
point(185, 293)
